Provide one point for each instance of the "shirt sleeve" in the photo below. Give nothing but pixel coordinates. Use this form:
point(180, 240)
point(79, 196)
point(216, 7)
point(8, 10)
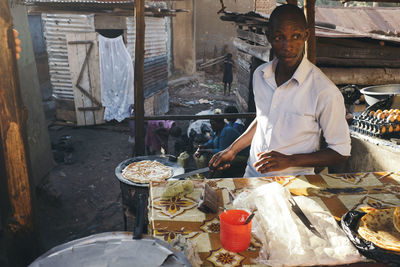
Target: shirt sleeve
point(331, 114)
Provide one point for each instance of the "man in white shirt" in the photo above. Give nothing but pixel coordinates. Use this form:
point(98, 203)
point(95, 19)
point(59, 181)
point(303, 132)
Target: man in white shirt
point(295, 103)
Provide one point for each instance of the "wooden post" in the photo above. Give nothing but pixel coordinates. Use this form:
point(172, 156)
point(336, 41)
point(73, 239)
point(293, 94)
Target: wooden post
point(17, 198)
point(311, 44)
point(139, 72)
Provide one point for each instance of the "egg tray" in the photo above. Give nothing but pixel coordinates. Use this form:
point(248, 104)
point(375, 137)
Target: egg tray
point(380, 126)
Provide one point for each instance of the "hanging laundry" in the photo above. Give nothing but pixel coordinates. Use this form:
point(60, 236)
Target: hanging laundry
point(117, 77)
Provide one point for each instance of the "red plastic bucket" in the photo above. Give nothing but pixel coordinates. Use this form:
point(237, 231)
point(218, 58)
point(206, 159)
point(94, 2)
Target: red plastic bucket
point(234, 235)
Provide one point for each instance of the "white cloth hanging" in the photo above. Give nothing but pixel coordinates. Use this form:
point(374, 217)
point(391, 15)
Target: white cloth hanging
point(116, 78)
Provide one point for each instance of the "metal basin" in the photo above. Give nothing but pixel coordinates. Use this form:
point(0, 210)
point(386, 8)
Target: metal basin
point(376, 93)
point(112, 249)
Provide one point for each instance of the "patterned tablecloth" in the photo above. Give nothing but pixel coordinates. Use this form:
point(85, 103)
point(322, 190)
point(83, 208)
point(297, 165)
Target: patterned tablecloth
point(336, 193)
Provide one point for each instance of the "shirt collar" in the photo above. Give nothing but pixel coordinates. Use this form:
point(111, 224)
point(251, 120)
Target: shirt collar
point(299, 75)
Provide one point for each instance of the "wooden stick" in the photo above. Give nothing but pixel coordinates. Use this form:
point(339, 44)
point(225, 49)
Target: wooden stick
point(139, 81)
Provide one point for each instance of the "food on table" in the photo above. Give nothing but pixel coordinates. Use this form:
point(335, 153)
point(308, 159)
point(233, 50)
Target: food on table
point(178, 188)
point(145, 171)
point(377, 227)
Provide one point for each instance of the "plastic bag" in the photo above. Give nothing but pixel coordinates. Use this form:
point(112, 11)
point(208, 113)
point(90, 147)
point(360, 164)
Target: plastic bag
point(349, 223)
point(286, 241)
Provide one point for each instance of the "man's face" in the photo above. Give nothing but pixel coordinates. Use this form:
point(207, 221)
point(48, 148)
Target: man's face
point(287, 39)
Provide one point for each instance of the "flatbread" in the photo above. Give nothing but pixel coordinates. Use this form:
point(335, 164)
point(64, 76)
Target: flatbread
point(377, 227)
point(145, 171)
point(396, 218)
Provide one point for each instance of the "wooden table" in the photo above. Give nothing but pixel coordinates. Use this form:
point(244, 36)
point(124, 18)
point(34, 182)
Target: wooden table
point(336, 193)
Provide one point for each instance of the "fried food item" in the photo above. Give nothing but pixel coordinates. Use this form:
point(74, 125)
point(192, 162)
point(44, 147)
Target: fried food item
point(146, 170)
point(377, 227)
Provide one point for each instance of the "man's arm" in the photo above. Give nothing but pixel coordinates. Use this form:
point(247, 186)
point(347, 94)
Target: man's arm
point(275, 161)
point(228, 154)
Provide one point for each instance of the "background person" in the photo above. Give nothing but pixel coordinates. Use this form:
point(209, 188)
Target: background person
point(295, 102)
point(228, 73)
point(235, 123)
point(223, 136)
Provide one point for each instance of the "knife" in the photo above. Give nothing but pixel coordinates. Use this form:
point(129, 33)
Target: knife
point(187, 174)
point(296, 209)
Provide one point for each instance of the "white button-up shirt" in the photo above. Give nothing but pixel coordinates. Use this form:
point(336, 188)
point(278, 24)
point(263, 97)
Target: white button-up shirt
point(290, 117)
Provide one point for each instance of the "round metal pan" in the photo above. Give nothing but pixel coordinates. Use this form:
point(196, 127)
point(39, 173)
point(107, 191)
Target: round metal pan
point(176, 168)
point(112, 249)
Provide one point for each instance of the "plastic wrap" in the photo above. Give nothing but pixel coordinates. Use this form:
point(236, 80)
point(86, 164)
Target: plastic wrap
point(286, 241)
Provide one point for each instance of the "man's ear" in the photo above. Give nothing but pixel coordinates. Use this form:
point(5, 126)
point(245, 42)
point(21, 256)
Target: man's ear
point(307, 34)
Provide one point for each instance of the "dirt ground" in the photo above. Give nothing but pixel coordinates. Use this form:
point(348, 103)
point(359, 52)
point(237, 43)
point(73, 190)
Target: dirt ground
point(81, 195)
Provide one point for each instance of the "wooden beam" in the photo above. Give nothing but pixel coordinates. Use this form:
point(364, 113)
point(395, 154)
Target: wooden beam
point(15, 179)
point(311, 44)
point(362, 76)
point(247, 115)
point(139, 81)
point(260, 52)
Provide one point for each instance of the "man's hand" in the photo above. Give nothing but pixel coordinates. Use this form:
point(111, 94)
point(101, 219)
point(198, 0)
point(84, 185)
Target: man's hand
point(272, 161)
point(223, 157)
point(17, 44)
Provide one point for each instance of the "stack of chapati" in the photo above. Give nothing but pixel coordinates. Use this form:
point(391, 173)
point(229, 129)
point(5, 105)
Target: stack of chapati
point(382, 227)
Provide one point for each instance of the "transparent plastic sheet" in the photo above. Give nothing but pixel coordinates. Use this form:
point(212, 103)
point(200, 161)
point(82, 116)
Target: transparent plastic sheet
point(286, 241)
point(116, 78)
point(349, 224)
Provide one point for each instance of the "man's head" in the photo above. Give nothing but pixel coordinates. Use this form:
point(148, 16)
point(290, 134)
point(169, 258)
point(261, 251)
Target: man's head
point(231, 109)
point(287, 33)
point(217, 124)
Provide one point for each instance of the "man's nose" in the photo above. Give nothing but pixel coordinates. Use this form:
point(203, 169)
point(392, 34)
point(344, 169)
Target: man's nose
point(287, 44)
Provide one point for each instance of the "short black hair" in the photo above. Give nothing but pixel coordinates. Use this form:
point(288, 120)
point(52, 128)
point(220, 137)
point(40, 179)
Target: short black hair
point(284, 11)
point(231, 109)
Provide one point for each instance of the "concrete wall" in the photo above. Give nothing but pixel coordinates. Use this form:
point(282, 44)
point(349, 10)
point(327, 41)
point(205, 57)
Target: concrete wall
point(38, 137)
point(184, 37)
point(36, 29)
point(211, 31)
point(369, 157)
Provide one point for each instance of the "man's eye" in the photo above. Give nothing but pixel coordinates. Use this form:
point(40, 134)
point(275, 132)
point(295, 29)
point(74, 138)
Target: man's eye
point(277, 38)
point(296, 36)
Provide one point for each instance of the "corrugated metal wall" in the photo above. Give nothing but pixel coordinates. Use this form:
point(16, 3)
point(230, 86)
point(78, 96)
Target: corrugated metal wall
point(155, 64)
point(155, 60)
point(55, 27)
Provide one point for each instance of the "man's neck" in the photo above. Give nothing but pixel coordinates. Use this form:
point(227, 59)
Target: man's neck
point(283, 73)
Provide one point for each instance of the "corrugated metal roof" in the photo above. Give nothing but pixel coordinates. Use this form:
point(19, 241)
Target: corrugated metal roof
point(374, 22)
point(381, 20)
point(379, 23)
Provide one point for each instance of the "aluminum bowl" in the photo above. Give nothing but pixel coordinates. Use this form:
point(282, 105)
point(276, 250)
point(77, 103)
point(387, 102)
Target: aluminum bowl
point(376, 93)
